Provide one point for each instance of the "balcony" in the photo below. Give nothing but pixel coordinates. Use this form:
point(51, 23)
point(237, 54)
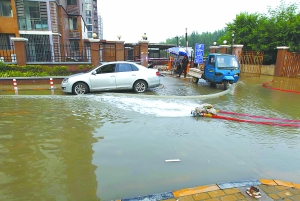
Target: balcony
point(74, 34)
point(37, 24)
point(73, 9)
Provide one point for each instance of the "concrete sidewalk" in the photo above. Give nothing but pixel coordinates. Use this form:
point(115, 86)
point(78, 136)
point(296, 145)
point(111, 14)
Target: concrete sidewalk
point(231, 191)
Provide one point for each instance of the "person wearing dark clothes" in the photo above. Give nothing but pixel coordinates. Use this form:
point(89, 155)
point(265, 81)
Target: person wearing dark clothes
point(184, 64)
point(152, 65)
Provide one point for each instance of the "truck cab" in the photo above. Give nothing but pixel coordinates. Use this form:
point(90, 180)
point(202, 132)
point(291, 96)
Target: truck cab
point(221, 69)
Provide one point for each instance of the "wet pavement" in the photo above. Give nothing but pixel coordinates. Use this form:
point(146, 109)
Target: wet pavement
point(270, 188)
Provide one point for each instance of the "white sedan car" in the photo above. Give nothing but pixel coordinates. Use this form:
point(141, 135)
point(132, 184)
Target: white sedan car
point(119, 75)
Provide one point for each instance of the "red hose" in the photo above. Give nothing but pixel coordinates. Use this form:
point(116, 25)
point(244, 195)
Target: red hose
point(260, 117)
point(278, 89)
point(255, 122)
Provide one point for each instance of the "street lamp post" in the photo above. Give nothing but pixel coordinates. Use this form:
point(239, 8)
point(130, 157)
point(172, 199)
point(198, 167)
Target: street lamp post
point(177, 40)
point(144, 37)
point(180, 40)
point(119, 36)
point(94, 35)
point(232, 42)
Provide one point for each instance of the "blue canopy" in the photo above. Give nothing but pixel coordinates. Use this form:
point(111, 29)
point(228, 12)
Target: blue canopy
point(179, 51)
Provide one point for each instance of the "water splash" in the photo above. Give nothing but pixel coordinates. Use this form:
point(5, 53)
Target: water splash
point(157, 107)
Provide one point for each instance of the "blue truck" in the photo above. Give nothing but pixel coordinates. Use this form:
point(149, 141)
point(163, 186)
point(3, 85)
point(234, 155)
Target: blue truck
point(218, 69)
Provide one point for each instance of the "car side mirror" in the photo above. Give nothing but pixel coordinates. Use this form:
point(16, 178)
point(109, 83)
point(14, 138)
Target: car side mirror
point(94, 73)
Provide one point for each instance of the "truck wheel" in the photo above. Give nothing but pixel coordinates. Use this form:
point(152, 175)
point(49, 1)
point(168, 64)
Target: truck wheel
point(212, 84)
point(225, 84)
point(195, 80)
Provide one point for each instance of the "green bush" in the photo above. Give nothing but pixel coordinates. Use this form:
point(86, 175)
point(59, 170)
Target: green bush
point(12, 70)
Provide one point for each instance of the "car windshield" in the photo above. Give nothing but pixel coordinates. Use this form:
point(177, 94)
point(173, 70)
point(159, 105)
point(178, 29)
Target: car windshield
point(227, 62)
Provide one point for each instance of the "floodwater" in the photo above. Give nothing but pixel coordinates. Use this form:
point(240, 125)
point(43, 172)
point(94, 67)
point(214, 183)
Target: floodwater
point(107, 146)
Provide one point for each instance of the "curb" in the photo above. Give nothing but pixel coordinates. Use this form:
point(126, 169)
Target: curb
point(228, 191)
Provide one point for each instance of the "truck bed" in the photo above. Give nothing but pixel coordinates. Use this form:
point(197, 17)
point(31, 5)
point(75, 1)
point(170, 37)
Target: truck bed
point(194, 72)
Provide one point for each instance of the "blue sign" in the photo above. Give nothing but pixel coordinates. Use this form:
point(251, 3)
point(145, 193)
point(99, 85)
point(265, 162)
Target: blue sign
point(199, 53)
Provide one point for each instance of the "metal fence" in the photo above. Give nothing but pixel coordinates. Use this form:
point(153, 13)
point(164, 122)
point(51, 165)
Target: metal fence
point(291, 65)
point(7, 53)
point(58, 53)
point(251, 62)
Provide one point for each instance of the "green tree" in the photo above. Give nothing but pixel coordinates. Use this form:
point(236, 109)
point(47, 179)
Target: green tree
point(265, 32)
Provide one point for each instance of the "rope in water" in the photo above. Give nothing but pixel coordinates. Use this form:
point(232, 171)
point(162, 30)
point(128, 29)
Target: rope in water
point(265, 85)
point(259, 117)
point(249, 121)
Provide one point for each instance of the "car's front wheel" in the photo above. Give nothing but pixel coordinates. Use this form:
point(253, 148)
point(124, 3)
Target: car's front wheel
point(80, 88)
point(140, 86)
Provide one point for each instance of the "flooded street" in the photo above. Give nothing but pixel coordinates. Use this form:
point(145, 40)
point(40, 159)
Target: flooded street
point(107, 146)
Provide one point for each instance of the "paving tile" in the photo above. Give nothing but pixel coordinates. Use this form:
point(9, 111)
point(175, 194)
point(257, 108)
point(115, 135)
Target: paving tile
point(268, 182)
point(185, 198)
point(295, 198)
point(216, 193)
point(295, 191)
point(201, 196)
point(269, 189)
point(228, 198)
point(213, 199)
point(284, 194)
point(240, 196)
point(296, 185)
point(274, 196)
point(284, 183)
point(231, 191)
point(282, 188)
point(264, 196)
point(287, 199)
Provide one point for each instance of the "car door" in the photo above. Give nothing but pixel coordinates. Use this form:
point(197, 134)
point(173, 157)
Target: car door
point(104, 78)
point(209, 70)
point(126, 75)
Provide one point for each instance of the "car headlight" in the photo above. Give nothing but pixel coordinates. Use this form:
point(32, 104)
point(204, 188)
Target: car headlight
point(65, 80)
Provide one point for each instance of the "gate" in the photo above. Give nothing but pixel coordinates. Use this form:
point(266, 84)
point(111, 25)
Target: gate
point(107, 52)
point(291, 65)
point(251, 62)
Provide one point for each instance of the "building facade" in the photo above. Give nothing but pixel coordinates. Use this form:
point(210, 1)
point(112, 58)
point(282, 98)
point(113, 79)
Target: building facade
point(48, 25)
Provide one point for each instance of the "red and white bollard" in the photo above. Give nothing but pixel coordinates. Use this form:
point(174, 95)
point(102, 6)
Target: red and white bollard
point(51, 86)
point(15, 86)
point(51, 83)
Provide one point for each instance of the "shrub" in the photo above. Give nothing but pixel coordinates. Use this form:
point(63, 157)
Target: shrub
point(12, 70)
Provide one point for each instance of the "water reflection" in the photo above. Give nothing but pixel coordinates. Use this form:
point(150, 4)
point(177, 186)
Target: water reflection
point(107, 146)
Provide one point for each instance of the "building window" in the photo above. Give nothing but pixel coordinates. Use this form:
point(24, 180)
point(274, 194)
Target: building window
point(72, 2)
point(88, 13)
point(89, 20)
point(88, 6)
point(89, 34)
point(5, 8)
point(74, 45)
point(87, 1)
point(32, 9)
point(73, 24)
point(89, 27)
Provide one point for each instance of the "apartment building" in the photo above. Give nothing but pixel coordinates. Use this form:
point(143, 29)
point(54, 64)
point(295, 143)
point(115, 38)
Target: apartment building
point(91, 17)
point(47, 24)
point(100, 27)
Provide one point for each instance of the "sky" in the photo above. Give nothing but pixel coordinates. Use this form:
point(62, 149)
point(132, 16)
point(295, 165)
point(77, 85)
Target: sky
point(162, 19)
